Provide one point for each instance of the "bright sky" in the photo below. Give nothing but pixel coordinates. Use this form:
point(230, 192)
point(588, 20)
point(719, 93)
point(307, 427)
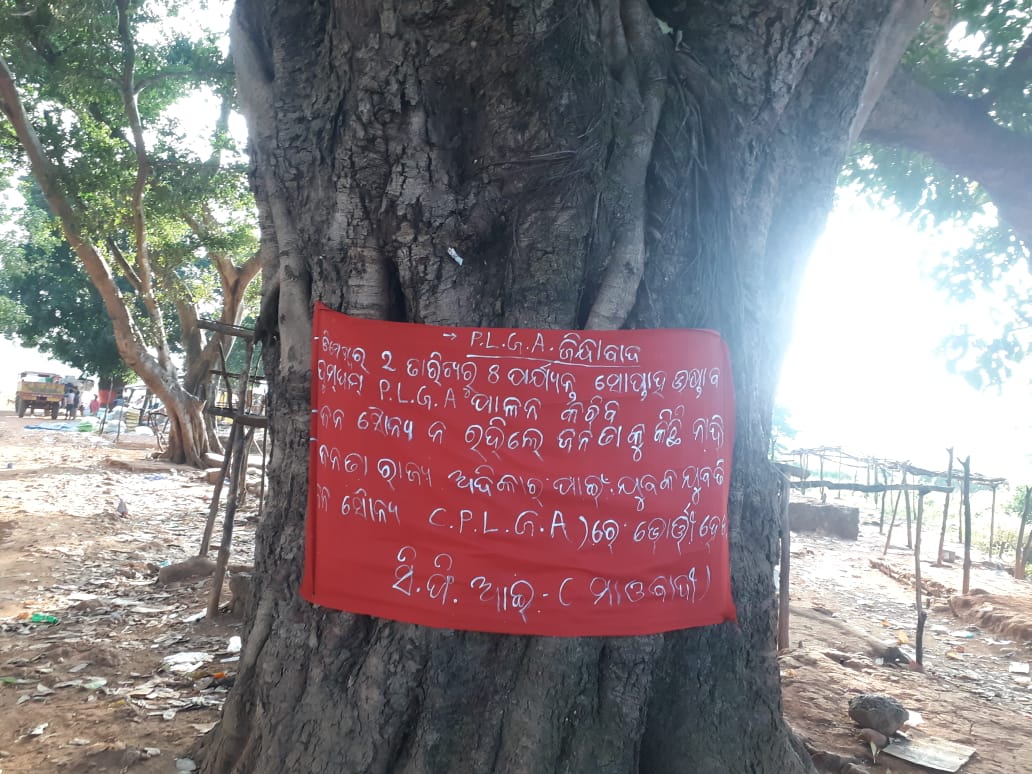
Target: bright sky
point(862, 371)
point(14, 359)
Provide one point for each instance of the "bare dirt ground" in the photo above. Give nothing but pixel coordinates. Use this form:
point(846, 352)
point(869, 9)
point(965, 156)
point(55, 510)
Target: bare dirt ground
point(969, 692)
point(102, 689)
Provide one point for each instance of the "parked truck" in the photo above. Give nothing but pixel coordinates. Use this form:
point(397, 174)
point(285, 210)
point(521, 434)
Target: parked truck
point(39, 390)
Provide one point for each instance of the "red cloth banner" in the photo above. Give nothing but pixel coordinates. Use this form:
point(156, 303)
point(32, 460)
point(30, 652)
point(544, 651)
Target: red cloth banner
point(523, 481)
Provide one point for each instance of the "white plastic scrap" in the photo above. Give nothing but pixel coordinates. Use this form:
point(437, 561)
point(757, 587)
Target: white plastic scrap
point(188, 661)
point(455, 255)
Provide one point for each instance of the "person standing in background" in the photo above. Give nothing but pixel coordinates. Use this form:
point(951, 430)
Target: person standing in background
point(69, 401)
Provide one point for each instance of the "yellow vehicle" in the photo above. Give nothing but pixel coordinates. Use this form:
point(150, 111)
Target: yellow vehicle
point(39, 390)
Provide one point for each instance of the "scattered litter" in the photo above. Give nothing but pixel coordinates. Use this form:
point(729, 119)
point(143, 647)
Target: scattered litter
point(185, 764)
point(38, 730)
point(234, 647)
point(455, 256)
point(1019, 667)
point(962, 634)
point(44, 618)
point(79, 742)
point(194, 617)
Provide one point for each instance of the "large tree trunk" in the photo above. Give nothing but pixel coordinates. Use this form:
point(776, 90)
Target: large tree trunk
point(591, 171)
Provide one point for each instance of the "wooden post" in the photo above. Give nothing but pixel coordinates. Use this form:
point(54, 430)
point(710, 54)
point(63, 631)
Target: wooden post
point(239, 455)
point(921, 614)
point(945, 511)
point(967, 525)
point(992, 522)
point(784, 577)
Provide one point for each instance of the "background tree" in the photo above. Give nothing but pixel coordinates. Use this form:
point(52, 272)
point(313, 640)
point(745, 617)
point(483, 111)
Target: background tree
point(1021, 506)
point(607, 164)
point(100, 119)
point(781, 430)
point(950, 141)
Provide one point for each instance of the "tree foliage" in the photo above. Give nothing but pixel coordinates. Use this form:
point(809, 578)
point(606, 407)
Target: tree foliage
point(123, 111)
point(951, 142)
point(48, 302)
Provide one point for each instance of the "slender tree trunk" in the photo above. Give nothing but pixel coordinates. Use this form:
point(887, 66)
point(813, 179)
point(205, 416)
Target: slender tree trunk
point(590, 170)
point(1020, 548)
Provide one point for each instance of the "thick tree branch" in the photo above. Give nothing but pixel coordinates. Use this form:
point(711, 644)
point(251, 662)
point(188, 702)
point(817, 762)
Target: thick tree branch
point(956, 133)
point(127, 268)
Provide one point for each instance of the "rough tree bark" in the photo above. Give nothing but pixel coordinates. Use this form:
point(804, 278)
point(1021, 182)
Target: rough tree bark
point(591, 170)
